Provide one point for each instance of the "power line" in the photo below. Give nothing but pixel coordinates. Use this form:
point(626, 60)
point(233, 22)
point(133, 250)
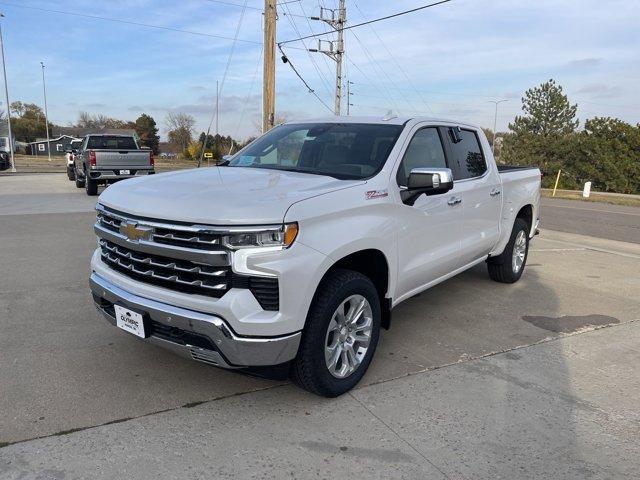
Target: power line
point(324, 57)
point(368, 21)
point(383, 92)
point(285, 59)
point(128, 22)
point(258, 9)
point(393, 57)
point(325, 83)
point(248, 97)
point(381, 69)
point(224, 77)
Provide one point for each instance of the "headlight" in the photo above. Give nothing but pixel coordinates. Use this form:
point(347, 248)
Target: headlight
point(280, 236)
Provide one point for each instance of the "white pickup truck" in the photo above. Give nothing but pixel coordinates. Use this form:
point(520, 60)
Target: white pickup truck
point(295, 251)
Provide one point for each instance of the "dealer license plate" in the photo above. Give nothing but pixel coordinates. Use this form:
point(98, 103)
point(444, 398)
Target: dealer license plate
point(129, 321)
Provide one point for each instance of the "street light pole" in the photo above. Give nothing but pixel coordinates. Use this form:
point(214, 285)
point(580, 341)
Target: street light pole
point(6, 94)
point(46, 114)
point(495, 124)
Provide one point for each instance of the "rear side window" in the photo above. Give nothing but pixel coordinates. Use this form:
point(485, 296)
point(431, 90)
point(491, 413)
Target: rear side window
point(424, 151)
point(468, 160)
point(108, 142)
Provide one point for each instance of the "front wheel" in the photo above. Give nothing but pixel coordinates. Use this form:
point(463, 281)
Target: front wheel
point(509, 265)
point(71, 173)
point(340, 336)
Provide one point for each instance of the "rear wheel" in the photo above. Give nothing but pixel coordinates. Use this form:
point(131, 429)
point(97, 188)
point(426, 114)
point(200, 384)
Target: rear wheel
point(509, 265)
point(340, 336)
point(91, 186)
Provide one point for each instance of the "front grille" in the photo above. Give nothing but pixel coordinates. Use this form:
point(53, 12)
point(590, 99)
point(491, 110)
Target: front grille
point(202, 268)
point(181, 275)
point(174, 235)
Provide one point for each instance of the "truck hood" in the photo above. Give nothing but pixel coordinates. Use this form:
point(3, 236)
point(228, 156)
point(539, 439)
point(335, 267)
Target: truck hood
point(219, 195)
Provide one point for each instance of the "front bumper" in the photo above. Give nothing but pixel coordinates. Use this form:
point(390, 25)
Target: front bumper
point(199, 336)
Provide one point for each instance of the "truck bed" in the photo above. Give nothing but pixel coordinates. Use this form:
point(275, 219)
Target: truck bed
point(510, 168)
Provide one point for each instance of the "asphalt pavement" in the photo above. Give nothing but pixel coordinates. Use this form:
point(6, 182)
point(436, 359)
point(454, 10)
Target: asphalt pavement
point(474, 380)
point(615, 222)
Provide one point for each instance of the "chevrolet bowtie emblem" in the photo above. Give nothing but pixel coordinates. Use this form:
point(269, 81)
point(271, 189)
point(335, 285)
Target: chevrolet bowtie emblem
point(135, 232)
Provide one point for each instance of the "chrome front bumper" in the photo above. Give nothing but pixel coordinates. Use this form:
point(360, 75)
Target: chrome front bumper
point(175, 328)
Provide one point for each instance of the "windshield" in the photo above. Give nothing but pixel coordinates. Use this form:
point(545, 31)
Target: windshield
point(345, 151)
point(108, 142)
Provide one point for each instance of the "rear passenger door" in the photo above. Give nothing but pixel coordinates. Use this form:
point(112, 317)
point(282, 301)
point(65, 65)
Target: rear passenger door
point(478, 184)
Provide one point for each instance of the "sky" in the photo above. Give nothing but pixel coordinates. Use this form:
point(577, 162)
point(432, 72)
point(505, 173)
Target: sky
point(447, 61)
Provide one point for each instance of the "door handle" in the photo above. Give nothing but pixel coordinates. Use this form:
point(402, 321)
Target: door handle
point(495, 191)
point(454, 201)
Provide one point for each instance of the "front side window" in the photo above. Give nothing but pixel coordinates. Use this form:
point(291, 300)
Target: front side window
point(424, 151)
point(340, 150)
point(467, 155)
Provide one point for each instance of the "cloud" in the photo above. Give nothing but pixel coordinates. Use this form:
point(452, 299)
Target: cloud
point(600, 90)
point(583, 63)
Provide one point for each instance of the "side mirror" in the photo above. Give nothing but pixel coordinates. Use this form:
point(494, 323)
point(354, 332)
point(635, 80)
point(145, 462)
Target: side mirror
point(430, 181)
point(226, 158)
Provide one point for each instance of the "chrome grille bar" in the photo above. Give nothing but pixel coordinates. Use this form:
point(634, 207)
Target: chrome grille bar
point(112, 254)
point(208, 257)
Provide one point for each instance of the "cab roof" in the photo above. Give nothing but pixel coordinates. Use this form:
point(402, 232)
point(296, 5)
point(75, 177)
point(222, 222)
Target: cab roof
point(389, 119)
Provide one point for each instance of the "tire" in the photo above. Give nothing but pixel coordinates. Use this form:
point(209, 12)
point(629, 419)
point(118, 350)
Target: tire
point(79, 181)
point(504, 268)
point(71, 174)
point(310, 369)
point(91, 186)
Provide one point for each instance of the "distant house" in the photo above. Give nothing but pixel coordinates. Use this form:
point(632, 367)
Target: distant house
point(4, 138)
point(57, 146)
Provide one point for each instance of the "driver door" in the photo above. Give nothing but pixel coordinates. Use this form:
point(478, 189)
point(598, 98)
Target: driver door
point(430, 230)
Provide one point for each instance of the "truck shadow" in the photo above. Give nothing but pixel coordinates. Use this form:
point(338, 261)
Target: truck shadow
point(519, 412)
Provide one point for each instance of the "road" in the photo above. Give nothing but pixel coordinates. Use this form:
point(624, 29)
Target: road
point(601, 220)
point(474, 380)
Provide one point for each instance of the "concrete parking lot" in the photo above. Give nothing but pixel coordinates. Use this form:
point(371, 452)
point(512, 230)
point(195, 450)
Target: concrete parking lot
point(474, 379)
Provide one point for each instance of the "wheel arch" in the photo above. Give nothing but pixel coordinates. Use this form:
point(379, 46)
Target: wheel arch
point(373, 264)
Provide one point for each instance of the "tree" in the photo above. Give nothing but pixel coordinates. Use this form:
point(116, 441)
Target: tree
point(548, 112)
point(101, 122)
point(147, 130)
point(542, 135)
point(28, 123)
point(180, 129)
point(607, 153)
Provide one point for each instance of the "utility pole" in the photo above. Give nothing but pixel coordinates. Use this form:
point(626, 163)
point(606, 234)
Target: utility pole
point(215, 141)
point(6, 93)
point(334, 50)
point(46, 115)
point(495, 123)
point(349, 104)
point(269, 67)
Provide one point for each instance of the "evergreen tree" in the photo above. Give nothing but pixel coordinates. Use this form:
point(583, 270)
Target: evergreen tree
point(147, 130)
